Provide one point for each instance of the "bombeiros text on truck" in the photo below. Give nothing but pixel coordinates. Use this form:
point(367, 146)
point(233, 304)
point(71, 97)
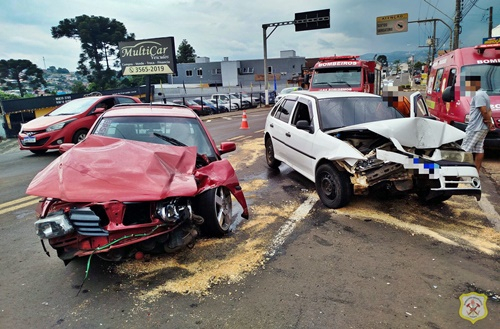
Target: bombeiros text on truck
point(446, 97)
point(346, 73)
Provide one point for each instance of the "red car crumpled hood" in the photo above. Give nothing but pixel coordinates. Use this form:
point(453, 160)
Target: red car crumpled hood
point(101, 169)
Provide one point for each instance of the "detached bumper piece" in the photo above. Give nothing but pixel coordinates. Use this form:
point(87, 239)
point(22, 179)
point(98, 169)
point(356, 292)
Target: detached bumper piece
point(447, 177)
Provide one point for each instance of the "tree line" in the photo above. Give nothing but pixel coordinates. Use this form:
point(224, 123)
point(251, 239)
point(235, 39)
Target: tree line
point(99, 60)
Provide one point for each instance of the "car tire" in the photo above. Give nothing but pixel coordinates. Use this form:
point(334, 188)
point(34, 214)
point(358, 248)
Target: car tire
point(79, 136)
point(270, 159)
point(215, 206)
point(333, 186)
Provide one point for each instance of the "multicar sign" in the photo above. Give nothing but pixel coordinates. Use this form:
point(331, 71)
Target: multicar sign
point(150, 56)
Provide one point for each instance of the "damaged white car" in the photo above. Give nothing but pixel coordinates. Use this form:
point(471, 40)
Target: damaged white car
point(351, 143)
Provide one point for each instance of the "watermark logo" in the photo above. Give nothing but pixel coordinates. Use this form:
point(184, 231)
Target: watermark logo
point(473, 306)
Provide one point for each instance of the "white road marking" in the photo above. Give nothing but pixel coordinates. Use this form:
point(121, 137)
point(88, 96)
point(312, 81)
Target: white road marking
point(289, 226)
point(490, 212)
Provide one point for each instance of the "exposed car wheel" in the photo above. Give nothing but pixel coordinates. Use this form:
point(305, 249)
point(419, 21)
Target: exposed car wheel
point(270, 159)
point(215, 206)
point(79, 136)
point(333, 187)
point(38, 152)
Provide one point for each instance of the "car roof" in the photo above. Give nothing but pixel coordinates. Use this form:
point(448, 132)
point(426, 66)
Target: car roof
point(332, 94)
point(146, 109)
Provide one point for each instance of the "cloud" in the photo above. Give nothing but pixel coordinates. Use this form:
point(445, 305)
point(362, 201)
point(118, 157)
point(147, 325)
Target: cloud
point(230, 28)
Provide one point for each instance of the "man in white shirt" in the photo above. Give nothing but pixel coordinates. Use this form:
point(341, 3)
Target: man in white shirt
point(480, 121)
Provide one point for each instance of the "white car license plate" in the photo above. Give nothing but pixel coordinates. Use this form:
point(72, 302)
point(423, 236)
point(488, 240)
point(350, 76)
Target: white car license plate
point(29, 139)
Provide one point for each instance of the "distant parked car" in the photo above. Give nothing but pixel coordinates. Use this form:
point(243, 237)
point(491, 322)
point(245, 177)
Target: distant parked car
point(224, 106)
point(206, 103)
point(197, 108)
point(285, 91)
point(68, 123)
point(272, 97)
point(247, 101)
point(232, 99)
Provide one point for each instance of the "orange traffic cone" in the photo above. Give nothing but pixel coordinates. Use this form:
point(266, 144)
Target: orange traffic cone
point(244, 122)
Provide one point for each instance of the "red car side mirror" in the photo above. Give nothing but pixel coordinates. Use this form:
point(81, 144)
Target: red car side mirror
point(65, 147)
point(226, 147)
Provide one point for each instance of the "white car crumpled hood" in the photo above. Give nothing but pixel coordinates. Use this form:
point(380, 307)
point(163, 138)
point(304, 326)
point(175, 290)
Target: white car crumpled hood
point(421, 133)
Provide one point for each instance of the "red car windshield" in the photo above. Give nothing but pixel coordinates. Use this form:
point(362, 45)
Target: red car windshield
point(157, 130)
point(337, 77)
point(73, 107)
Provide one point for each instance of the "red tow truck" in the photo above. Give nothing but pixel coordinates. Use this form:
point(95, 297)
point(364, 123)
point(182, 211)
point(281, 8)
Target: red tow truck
point(346, 73)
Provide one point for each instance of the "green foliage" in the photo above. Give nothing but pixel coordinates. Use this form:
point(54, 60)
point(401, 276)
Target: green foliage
point(78, 87)
point(99, 37)
point(16, 72)
point(418, 65)
point(185, 53)
point(397, 63)
point(7, 97)
point(60, 70)
point(382, 59)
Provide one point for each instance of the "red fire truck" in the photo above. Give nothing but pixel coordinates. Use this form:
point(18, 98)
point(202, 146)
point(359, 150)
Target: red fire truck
point(346, 73)
point(446, 96)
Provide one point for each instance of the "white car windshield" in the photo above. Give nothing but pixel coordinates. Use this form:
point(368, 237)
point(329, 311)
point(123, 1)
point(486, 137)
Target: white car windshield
point(75, 106)
point(347, 111)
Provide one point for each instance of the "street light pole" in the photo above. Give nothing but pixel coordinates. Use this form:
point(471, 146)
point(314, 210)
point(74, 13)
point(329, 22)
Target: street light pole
point(265, 36)
point(434, 36)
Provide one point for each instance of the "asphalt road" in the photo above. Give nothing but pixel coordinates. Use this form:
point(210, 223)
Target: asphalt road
point(378, 263)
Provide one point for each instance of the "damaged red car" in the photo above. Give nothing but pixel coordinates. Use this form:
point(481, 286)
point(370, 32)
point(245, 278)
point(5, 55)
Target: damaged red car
point(146, 178)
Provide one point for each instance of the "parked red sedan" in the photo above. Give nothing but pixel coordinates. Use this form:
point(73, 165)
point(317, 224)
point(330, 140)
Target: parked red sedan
point(69, 123)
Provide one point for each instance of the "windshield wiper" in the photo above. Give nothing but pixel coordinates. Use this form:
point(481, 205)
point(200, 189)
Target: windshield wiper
point(201, 159)
point(344, 82)
point(322, 83)
point(170, 140)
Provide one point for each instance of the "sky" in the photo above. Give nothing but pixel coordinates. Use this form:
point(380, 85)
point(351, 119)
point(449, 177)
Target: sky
point(233, 28)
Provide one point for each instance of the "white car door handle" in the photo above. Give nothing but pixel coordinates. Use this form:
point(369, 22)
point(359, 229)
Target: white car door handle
point(288, 135)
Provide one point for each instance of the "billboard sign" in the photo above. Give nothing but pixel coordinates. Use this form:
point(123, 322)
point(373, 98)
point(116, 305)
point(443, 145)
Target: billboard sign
point(392, 24)
point(148, 56)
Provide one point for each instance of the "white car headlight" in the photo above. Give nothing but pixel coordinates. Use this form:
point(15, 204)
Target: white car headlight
point(54, 225)
point(59, 125)
point(458, 156)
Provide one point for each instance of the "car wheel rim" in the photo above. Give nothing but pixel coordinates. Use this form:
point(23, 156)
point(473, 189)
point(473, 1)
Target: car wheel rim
point(223, 207)
point(327, 185)
point(270, 153)
point(81, 137)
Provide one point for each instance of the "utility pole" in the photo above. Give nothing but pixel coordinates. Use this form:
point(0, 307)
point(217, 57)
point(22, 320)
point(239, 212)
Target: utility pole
point(490, 23)
point(458, 18)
